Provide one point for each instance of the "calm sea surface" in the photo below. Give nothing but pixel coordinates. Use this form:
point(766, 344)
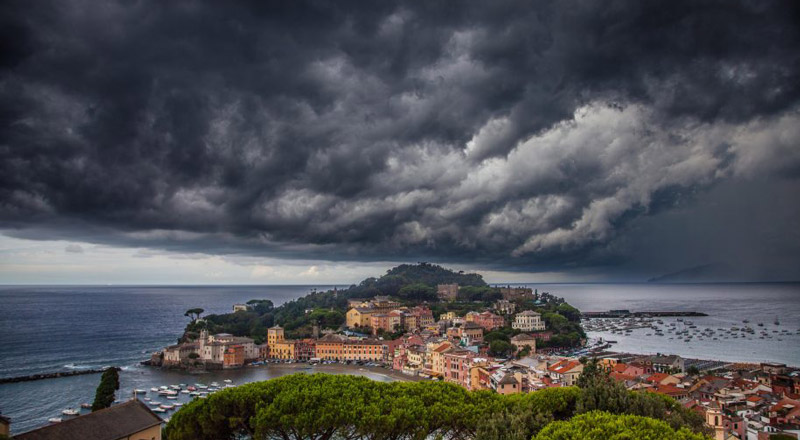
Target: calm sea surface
point(45, 329)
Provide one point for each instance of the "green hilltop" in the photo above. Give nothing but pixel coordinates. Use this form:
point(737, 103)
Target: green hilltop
point(410, 284)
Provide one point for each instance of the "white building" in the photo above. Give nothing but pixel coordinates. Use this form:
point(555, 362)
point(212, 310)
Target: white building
point(528, 321)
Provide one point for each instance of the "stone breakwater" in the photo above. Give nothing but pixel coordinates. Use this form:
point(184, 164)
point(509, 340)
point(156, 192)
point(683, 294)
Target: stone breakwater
point(53, 375)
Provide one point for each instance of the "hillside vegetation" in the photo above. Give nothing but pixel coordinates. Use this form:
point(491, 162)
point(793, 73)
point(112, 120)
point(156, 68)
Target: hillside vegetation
point(409, 283)
point(412, 283)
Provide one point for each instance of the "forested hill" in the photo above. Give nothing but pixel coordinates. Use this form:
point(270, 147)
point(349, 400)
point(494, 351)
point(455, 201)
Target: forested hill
point(412, 283)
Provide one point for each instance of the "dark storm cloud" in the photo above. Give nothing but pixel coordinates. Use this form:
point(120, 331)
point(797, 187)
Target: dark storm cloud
point(528, 135)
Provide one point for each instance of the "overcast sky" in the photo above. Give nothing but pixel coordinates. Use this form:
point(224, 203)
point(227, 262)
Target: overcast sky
point(284, 142)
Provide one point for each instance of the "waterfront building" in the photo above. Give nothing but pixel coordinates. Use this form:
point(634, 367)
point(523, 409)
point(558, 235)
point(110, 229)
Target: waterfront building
point(240, 308)
point(126, 421)
point(528, 321)
point(369, 350)
point(283, 349)
point(447, 292)
point(329, 347)
point(275, 334)
point(233, 356)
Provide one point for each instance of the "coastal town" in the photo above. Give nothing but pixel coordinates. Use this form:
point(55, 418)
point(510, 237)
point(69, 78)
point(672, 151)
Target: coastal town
point(501, 349)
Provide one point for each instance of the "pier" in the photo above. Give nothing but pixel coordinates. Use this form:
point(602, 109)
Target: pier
point(647, 314)
point(54, 375)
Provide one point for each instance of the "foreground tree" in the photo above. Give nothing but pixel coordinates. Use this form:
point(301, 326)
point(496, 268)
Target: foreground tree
point(321, 406)
point(599, 425)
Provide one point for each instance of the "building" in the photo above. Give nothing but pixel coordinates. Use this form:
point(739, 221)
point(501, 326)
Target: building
point(471, 333)
point(566, 371)
point(240, 308)
point(283, 349)
point(360, 317)
point(233, 356)
point(131, 420)
point(275, 334)
point(488, 320)
point(210, 351)
point(305, 349)
point(447, 292)
point(369, 350)
point(505, 306)
point(523, 340)
point(528, 321)
point(330, 347)
point(449, 316)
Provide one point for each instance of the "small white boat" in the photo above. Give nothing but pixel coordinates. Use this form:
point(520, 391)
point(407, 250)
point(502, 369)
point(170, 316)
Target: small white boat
point(154, 402)
point(159, 410)
point(227, 381)
point(154, 389)
point(138, 391)
point(70, 412)
point(172, 397)
point(86, 405)
point(54, 420)
point(164, 387)
point(185, 391)
point(147, 399)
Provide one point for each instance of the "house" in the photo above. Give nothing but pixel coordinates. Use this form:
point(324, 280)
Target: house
point(528, 321)
point(447, 292)
point(523, 340)
point(667, 363)
point(359, 317)
point(240, 308)
point(506, 382)
point(471, 333)
point(488, 320)
point(566, 371)
point(131, 420)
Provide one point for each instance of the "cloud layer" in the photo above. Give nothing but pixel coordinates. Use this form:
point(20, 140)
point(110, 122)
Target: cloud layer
point(539, 137)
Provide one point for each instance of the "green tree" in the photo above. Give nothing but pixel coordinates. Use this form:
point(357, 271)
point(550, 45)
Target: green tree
point(500, 348)
point(599, 425)
point(109, 384)
point(194, 314)
point(417, 292)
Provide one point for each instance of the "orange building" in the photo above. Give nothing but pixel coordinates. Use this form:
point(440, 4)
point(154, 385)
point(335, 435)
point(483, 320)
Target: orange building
point(330, 347)
point(233, 356)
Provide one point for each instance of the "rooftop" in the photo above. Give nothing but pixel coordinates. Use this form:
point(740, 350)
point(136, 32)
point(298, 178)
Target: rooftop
point(117, 422)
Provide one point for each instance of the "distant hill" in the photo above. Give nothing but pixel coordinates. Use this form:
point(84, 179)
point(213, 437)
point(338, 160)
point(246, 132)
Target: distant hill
point(433, 274)
point(697, 274)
